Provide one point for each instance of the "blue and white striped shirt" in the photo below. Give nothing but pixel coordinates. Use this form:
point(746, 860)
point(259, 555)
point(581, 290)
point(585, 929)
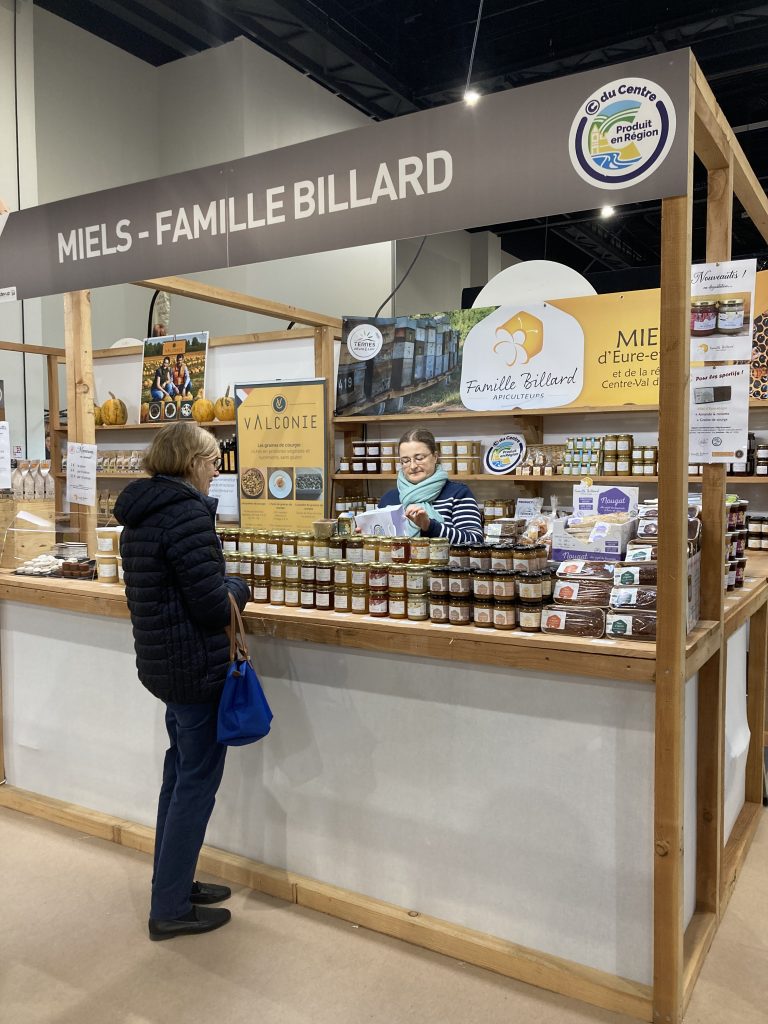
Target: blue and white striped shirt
point(457, 505)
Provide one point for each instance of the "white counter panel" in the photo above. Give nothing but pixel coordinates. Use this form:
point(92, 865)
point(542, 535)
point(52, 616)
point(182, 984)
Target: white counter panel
point(505, 801)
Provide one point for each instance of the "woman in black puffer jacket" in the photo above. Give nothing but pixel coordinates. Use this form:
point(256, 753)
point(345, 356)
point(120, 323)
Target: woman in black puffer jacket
point(178, 597)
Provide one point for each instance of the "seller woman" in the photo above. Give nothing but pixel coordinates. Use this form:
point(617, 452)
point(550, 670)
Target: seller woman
point(434, 505)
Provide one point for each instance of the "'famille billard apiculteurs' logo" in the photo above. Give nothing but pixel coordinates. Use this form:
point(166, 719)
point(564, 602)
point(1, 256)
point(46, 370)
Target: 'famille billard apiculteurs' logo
point(622, 133)
point(519, 339)
point(364, 341)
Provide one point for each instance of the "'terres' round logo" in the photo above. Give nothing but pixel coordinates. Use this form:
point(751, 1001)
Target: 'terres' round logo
point(622, 133)
point(364, 341)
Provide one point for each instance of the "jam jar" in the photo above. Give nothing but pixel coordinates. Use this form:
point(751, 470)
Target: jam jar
point(341, 599)
point(398, 604)
point(229, 540)
point(438, 608)
point(358, 600)
point(323, 596)
point(259, 542)
point(529, 616)
point(482, 613)
point(277, 568)
point(730, 316)
point(416, 579)
point(370, 549)
point(417, 606)
point(482, 585)
point(307, 570)
point(439, 550)
point(336, 547)
point(341, 574)
point(324, 570)
point(703, 318)
point(358, 574)
point(321, 548)
point(277, 591)
point(378, 576)
point(459, 609)
point(245, 542)
point(354, 549)
point(260, 590)
point(504, 614)
point(289, 545)
point(540, 554)
point(401, 549)
point(292, 568)
point(385, 549)
point(480, 558)
point(396, 577)
point(420, 550)
point(292, 593)
point(438, 579)
point(307, 595)
point(459, 582)
point(378, 604)
point(304, 545)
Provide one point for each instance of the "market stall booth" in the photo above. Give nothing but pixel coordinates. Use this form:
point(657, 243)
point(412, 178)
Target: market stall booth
point(550, 807)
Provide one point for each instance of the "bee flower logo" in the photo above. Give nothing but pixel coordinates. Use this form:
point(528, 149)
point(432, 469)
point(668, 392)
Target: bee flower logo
point(519, 339)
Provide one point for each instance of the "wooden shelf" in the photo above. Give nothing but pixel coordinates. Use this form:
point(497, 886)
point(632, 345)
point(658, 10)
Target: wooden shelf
point(154, 426)
point(469, 414)
point(511, 478)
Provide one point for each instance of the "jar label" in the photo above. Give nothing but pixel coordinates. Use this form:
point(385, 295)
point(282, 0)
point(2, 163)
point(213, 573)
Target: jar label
point(730, 319)
point(260, 593)
point(531, 590)
point(503, 588)
point(358, 603)
point(416, 603)
point(291, 597)
point(291, 572)
point(304, 550)
point(458, 615)
point(227, 545)
point(438, 585)
point(703, 321)
point(322, 600)
point(503, 617)
point(340, 602)
point(530, 618)
point(438, 612)
point(555, 619)
point(308, 573)
point(396, 606)
point(323, 574)
point(307, 598)
point(482, 588)
point(483, 614)
point(359, 578)
point(277, 595)
point(335, 554)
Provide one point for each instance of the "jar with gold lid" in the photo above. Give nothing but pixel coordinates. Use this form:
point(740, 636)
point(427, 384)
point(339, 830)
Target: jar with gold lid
point(358, 600)
point(611, 444)
point(229, 539)
point(420, 550)
point(260, 590)
point(358, 574)
point(342, 574)
point(439, 550)
point(274, 543)
point(624, 444)
point(370, 549)
point(504, 614)
point(277, 591)
point(482, 585)
point(378, 604)
point(292, 593)
point(703, 318)
point(730, 316)
point(260, 567)
point(482, 612)
point(292, 568)
point(307, 570)
point(304, 545)
point(260, 542)
point(459, 609)
point(324, 596)
point(277, 567)
point(245, 542)
point(231, 563)
point(336, 548)
point(417, 606)
point(396, 576)
point(438, 608)
point(307, 595)
point(324, 570)
point(320, 548)
point(341, 599)
point(417, 578)
point(401, 549)
point(354, 549)
point(385, 549)
point(378, 576)
point(398, 604)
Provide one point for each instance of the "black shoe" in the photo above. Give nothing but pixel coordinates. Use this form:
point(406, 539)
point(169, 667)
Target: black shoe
point(205, 892)
point(200, 919)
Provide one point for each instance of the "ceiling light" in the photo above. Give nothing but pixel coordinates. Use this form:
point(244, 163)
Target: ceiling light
point(607, 211)
point(471, 96)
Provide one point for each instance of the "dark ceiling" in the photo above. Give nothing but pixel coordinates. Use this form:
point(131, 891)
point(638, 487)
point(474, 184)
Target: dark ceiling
point(392, 57)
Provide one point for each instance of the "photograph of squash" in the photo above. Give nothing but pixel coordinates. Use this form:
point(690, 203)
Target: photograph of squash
point(174, 371)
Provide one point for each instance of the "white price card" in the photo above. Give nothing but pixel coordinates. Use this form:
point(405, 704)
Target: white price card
point(224, 488)
point(5, 457)
point(719, 413)
point(81, 473)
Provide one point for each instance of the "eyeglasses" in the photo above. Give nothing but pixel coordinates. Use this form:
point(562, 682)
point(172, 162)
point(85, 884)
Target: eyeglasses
point(418, 459)
point(216, 460)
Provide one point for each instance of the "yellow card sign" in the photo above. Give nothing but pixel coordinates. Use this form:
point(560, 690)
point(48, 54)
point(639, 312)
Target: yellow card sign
point(281, 449)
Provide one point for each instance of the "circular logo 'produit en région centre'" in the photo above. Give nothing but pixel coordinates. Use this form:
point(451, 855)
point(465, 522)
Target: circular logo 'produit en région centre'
point(622, 133)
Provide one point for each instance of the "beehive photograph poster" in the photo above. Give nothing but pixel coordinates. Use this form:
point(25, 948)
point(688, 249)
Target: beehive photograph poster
point(173, 375)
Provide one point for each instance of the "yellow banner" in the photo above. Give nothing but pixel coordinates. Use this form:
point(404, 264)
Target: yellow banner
point(621, 347)
point(281, 448)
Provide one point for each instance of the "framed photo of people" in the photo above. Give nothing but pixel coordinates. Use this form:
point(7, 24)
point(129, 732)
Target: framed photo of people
point(173, 375)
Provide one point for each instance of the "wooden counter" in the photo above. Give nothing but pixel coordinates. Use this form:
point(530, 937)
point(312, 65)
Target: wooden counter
point(605, 659)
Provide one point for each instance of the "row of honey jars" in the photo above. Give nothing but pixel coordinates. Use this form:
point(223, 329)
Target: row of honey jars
point(486, 613)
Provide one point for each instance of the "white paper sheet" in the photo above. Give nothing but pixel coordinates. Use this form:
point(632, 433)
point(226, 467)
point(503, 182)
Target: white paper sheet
point(5, 457)
point(81, 473)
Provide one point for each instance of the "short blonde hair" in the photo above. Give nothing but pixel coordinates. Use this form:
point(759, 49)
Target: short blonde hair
point(176, 447)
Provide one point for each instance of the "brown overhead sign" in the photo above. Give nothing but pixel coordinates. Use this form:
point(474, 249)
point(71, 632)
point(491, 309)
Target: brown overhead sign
point(610, 136)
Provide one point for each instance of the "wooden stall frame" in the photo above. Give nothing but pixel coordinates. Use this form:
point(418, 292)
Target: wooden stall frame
point(678, 952)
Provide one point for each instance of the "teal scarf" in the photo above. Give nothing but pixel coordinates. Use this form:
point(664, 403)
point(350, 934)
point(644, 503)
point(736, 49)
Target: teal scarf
point(422, 494)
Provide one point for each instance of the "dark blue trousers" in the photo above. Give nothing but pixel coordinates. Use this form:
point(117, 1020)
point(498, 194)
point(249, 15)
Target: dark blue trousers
point(194, 765)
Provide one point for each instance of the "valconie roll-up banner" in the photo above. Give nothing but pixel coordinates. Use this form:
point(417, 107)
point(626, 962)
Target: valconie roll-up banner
point(281, 454)
point(588, 352)
point(612, 134)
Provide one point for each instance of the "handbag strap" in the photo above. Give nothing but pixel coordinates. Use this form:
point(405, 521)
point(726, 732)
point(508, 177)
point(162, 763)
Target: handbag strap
point(237, 642)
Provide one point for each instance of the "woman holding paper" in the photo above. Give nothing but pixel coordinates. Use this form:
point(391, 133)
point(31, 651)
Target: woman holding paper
point(434, 505)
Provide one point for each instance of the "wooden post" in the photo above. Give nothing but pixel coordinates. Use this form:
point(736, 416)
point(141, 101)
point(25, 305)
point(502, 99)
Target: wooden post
point(676, 215)
point(324, 360)
point(81, 425)
point(711, 704)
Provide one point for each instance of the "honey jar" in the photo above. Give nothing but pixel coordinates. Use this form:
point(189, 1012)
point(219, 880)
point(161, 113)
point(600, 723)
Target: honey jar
point(459, 610)
point(358, 600)
point(482, 613)
point(398, 608)
point(420, 549)
point(417, 606)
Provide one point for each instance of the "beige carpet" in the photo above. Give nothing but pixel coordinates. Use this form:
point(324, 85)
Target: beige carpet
point(74, 950)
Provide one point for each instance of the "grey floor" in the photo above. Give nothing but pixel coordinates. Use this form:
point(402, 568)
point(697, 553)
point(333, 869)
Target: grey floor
point(74, 950)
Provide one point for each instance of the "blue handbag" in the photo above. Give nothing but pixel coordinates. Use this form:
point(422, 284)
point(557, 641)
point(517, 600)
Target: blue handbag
point(244, 714)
